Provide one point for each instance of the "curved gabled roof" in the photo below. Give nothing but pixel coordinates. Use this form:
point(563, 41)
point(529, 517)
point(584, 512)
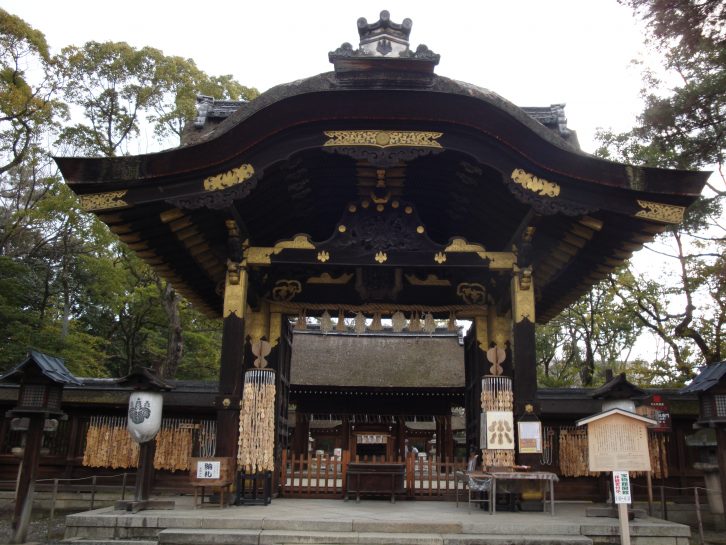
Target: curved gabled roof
point(467, 163)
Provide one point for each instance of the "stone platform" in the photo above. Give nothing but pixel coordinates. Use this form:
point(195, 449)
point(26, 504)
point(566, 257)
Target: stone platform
point(335, 522)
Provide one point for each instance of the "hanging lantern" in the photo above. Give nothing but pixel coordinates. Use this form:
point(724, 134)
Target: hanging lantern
point(144, 416)
point(398, 321)
point(257, 422)
point(326, 322)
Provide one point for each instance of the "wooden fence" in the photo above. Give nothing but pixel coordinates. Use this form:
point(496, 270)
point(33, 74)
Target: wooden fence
point(325, 476)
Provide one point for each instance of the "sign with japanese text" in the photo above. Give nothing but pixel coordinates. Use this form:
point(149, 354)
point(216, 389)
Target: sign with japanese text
point(618, 442)
point(208, 469)
point(621, 486)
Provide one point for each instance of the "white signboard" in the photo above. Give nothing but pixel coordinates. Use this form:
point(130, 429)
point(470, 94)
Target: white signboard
point(500, 430)
point(530, 437)
point(621, 485)
point(208, 469)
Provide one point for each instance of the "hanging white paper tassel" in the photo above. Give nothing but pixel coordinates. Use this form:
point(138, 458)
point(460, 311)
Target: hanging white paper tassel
point(360, 323)
point(451, 326)
point(326, 322)
point(398, 321)
point(376, 324)
point(340, 326)
point(414, 325)
point(429, 325)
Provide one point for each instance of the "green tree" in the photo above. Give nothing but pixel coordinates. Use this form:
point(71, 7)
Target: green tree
point(183, 81)
point(683, 125)
point(27, 86)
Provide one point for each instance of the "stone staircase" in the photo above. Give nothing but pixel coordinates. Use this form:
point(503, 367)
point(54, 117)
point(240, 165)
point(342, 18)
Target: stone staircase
point(323, 522)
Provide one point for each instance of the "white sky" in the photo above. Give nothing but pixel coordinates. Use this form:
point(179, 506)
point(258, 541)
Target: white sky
point(532, 52)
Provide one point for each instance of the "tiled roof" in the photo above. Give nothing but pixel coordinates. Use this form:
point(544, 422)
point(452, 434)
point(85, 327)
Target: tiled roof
point(50, 366)
point(709, 377)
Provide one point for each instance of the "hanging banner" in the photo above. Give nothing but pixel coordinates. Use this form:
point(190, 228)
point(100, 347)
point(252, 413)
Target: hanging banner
point(621, 486)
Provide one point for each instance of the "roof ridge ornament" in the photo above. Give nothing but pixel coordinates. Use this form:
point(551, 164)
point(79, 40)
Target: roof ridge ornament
point(384, 36)
point(383, 45)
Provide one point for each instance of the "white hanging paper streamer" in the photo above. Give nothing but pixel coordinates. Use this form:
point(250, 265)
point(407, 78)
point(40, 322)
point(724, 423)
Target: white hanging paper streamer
point(326, 322)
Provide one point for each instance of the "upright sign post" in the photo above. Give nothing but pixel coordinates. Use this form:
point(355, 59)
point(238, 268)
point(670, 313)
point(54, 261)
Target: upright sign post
point(618, 442)
point(621, 497)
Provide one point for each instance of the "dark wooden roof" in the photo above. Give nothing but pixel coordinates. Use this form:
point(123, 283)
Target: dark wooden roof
point(52, 368)
point(493, 171)
point(708, 377)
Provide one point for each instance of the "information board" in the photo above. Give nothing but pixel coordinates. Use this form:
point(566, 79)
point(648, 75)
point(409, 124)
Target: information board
point(530, 437)
point(617, 443)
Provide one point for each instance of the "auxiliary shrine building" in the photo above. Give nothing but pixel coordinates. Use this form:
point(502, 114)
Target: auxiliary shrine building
point(381, 199)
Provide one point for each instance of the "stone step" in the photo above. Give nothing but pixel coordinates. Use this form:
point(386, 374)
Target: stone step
point(194, 536)
point(84, 541)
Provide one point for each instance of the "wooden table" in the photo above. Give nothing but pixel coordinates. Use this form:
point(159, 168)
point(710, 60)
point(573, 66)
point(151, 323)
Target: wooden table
point(375, 479)
point(542, 476)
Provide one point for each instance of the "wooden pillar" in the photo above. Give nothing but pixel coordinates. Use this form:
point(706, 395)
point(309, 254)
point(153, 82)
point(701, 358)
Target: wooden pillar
point(73, 443)
point(449, 439)
point(721, 455)
point(302, 431)
point(345, 432)
point(523, 342)
point(145, 473)
point(26, 478)
point(401, 422)
point(233, 339)
point(476, 368)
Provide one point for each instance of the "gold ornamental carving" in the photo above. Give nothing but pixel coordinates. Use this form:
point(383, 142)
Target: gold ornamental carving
point(235, 290)
point(275, 328)
point(285, 290)
point(327, 278)
point(461, 245)
point(323, 256)
point(430, 280)
point(522, 301)
point(440, 258)
point(472, 293)
point(299, 242)
point(103, 201)
point(534, 184)
point(257, 255)
point(230, 178)
point(383, 139)
point(381, 257)
point(665, 213)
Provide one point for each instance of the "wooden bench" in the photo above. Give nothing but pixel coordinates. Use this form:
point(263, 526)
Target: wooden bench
point(215, 474)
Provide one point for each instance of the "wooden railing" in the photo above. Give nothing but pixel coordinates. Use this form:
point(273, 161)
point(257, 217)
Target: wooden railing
point(324, 476)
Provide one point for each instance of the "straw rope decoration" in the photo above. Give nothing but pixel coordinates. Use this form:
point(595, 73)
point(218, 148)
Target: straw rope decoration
point(108, 443)
point(497, 395)
point(573, 455)
point(257, 422)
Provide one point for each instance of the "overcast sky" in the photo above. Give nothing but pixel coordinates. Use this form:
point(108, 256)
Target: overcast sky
point(532, 52)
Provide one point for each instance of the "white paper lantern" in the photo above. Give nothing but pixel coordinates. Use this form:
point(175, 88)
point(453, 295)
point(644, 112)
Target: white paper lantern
point(144, 417)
